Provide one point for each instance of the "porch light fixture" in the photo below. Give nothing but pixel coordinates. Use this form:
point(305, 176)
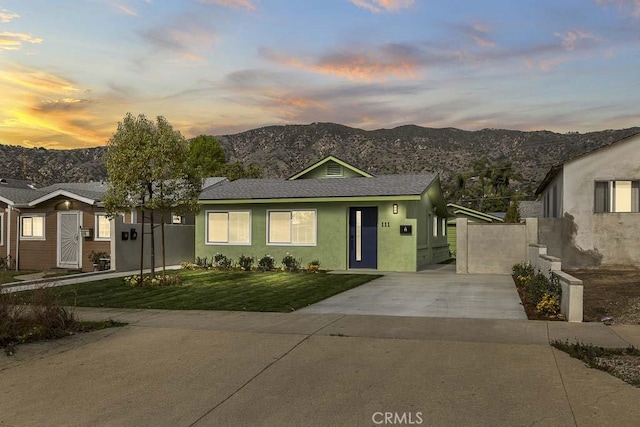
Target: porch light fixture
point(395, 208)
point(67, 204)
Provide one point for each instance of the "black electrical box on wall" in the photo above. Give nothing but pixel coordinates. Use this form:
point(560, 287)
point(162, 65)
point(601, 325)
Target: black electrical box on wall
point(405, 230)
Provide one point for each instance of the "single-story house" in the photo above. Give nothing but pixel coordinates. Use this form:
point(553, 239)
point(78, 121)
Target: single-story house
point(472, 215)
point(591, 206)
point(332, 212)
point(52, 227)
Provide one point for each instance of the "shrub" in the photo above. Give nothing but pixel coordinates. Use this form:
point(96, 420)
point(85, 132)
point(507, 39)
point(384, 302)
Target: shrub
point(290, 263)
point(204, 262)
point(267, 263)
point(41, 317)
point(522, 270)
point(313, 266)
point(134, 281)
point(549, 304)
point(539, 285)
point(221, 262)
point(245, 262)
point(189, 266)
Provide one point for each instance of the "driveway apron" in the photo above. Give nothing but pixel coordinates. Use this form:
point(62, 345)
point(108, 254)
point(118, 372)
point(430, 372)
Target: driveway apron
point(430, 293)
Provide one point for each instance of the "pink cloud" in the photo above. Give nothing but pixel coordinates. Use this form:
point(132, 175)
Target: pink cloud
point(234, 4)
point(377, 6)
point(633, 5)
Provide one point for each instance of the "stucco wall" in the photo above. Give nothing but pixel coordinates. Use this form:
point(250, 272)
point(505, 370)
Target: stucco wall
point(605, 238)
point(395, 252)
point(179, 245)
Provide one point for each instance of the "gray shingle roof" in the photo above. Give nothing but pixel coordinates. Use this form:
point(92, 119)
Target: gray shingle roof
point(22, 196)
point(15, 183)
point(385, 185)
point(19, 196)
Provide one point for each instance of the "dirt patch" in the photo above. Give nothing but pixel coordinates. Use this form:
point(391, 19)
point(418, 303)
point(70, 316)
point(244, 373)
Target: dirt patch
point(611, 295)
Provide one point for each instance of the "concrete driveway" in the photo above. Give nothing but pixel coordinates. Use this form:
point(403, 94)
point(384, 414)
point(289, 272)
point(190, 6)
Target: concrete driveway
point(197, 368)
point(431, 293)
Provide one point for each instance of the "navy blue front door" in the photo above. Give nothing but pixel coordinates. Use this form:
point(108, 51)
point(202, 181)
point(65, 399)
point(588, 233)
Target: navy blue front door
point(363, 237)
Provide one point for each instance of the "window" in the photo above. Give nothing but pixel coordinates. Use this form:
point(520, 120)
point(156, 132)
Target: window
point(176, 219)
point(1, 229)
point(435, 226)
point(617, 196)
point(228, 227)
point(32, 227)
point(292, 227)
point(103, 227)
point(444, 226)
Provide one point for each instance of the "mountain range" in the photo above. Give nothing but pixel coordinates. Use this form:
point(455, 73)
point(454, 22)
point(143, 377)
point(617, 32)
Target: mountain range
point(280, 151)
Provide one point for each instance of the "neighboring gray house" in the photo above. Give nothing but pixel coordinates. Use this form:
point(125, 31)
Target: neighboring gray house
point(591, 206)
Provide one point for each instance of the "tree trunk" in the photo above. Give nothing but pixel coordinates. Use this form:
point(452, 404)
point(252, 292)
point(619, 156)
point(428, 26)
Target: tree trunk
point(153, 246)
point(164, 258)
point(142, 242)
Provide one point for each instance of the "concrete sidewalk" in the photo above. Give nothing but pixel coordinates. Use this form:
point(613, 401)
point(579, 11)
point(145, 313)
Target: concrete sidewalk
point(71, 279)
point(185, 368)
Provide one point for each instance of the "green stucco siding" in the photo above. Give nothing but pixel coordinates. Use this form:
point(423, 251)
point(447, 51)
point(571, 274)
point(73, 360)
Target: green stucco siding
point(322, 172)
point(396, 252)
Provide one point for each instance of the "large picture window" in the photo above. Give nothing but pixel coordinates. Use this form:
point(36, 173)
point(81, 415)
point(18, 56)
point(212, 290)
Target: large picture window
point(292, 228)
point(32, 227)
point(103, 227)
point(617, 196)
point(229, 227)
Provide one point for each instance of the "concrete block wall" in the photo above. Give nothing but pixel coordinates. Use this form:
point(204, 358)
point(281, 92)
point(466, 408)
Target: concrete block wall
point(492, 248)
point(571, 303)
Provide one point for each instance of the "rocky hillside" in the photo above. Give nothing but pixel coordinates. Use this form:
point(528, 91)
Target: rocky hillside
point(283, 150)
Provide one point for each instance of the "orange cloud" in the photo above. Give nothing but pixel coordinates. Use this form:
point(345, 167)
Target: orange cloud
point(367, 67)
point(14, 41)
point(39, 108)
point(377, 6)
point(234, 4)
point(36, 80)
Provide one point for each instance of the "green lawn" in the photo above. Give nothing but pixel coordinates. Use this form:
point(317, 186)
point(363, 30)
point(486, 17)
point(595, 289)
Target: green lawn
point(215, 290)
point(7, 276)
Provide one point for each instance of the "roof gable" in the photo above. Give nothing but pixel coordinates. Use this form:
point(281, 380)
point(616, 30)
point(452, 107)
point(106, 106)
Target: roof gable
point(330, 167)
point(559, 167)
point(482, 216)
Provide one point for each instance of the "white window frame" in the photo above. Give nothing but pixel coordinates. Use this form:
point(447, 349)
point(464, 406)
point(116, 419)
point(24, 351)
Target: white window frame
point(315, 227)
point(1, 228)
point(610, 202)
point(435, 226)
point(96, 236)
point(44, 226)
point(227, 243)
point(177, 219)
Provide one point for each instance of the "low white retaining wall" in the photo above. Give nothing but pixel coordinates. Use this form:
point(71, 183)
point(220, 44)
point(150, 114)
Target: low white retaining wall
point(571, 305)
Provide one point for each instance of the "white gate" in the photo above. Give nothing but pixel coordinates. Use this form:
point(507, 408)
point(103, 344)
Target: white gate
point(69, 240)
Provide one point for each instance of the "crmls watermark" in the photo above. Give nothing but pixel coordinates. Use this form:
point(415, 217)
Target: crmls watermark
point(396, 418)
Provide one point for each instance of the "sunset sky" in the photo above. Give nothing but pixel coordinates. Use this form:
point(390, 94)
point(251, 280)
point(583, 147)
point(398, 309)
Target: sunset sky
point(71, 69)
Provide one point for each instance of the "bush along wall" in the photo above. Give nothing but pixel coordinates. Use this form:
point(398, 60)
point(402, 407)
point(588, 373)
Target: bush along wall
point(542, 292)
